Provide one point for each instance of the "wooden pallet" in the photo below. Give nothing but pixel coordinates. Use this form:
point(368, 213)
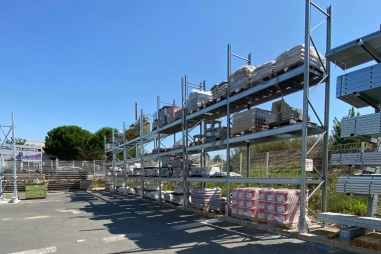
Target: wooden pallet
point(207, 104)
point(370, 241)
point(216, 211)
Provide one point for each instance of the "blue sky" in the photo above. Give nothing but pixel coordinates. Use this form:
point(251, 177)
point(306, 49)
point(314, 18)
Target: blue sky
point(86, 63)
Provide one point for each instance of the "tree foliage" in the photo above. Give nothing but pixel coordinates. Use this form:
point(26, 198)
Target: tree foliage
point(95, 144)
point(67, 142)
point(335, 137)
point(18, 141)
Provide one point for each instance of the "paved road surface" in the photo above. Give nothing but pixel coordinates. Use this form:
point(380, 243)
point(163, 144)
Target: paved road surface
point(100, 222)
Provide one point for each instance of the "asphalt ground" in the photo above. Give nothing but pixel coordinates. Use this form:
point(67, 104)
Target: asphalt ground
point(103, 222)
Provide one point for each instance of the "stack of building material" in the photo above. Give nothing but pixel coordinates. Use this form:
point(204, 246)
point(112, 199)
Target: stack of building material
point(251, 120)
point(178, 113)
point(167, 196)
point(356, 159)
point(282, 113)
point(245, 203)
point(287, 207)
point(262, 208)
point(200, 197)
point(178, 165)
point(219, 91)
point(155, 195)
point(366, 125)
point(204, 171)
point(198, 98)
point(155, 124)
point(129, 134)
point(137, 170)
point(130, 191)
point(366, 81)
point(146, 126)
point(359, 184)
point(217, 204)
point(177, 196)
point(240, 79)
point(263, 73)
point(295, 57)
point(224, 175)
point(178, 144)
point(158, 150)
point(164, 172)
point(167, 115)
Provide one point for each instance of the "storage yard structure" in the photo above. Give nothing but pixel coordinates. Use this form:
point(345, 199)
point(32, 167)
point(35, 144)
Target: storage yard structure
point(239, 99)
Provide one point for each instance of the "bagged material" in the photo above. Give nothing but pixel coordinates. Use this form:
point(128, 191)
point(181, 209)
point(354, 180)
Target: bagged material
point(295, 56)
point(240, 79)
point(219, 91)
point(217, 203)
point(197, 98)
point(263, 72)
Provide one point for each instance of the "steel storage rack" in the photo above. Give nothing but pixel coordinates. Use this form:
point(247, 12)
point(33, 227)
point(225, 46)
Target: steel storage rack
point(301, 78)
point(360, 88)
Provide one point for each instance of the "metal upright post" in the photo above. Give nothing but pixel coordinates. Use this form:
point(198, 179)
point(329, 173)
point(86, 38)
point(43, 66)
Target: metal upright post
point(105, 155)
point(93, 169)
point(113, 161)
point(185, 143)
point(124, 158)
point(1, 179)
point(303, 227)
point(15, 197)
point(159, 145)
point(141, 153)
point(326, 118)
point(228, 134)
point(248, 162)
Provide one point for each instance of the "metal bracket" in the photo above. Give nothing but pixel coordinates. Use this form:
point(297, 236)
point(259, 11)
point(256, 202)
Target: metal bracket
point(371, 102)
point(365, 138)
point(369, 50)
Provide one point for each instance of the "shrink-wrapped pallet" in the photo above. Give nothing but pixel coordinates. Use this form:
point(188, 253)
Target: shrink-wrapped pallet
point(219, 91)
point(240, 79)
point(200, 197)
point(295, 56)
point(263, 73)
point(217, 203)
point(197, 98)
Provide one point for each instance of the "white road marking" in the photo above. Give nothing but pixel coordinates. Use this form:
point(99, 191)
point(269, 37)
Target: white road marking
point(72, 211)
point(7, 219)
point(35, 217)
point(196, 224)
point(79, 241)
point(52, 249)
point(121, 237)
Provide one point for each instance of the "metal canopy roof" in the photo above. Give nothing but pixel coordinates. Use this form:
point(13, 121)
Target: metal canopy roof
point(353, 53)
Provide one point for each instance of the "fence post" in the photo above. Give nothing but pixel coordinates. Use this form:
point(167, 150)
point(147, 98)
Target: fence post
point(57, 163)
point(94, 167)
point(267, 164)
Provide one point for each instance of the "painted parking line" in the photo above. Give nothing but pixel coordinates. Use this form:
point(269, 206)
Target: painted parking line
point(51, 249)
point(36, 217)
point(120, 237)
point(66, 211)
point(196, 224)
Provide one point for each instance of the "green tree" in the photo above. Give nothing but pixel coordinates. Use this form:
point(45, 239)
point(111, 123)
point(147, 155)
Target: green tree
point(95, 145)
point(217, 158)
point(335, 137)
point(67, 142)
point(18, 141)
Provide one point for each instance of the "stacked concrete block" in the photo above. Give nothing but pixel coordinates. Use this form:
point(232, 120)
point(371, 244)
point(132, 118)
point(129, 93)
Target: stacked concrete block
point(251, 120)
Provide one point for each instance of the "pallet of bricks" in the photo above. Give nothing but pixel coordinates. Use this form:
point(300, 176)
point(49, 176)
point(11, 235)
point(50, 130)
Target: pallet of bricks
point(276, 207)
point(200, 197)
point(177, 196)
point(252, 120)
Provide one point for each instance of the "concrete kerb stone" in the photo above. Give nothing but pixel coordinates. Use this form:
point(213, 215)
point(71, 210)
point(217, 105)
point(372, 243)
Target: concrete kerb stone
point(321, 240)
